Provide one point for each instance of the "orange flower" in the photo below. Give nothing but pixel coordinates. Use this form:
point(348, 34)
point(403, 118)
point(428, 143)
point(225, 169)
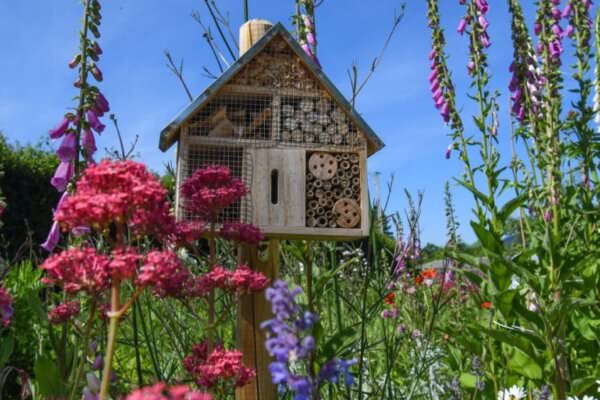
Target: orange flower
point(486, 305)
point(419, 280)
point(389, 298)
point(429, 273)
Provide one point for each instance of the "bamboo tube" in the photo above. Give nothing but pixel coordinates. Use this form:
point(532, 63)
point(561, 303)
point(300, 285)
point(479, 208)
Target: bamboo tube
point(309, 137)
point(356, 181)
point(338, 157)
point(318, 183)
point(343, 128)
point(324, 138)
point(330, 203)
point(345, 165)
point(335, 181)
point(287, 110)
point(311, 222)
point(347, 192)
point(327, 185)
point(355, 169)
point(319, 193)
point(332, 223)
point(330, 129)
point(354, 158)
point(337, 139)
point(337, 192)
point(322, 201)
point(338, 115)
point(312, 116)
point(348, 175)
point(286, 136)
point(322, 222)
point(310, 213)
point(328, 195)
point(307, 105)
point(320, 210)
point(310, 194)
point(345, 156)
point(344, 182)
point(323, 106)
point(290, 124)
point(297, 136)
point(313, 204)
point(323, 119)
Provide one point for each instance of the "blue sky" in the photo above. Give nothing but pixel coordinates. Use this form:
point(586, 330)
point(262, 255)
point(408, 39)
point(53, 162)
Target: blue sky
point(38, 38)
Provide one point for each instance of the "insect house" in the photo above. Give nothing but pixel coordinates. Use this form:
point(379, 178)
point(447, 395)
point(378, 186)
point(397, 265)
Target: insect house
point(279, 123)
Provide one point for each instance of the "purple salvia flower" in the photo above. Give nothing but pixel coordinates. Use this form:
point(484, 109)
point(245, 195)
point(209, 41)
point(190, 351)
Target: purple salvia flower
point(62, 176)
point(94, 122)
point(60, 129)
point(68, 148)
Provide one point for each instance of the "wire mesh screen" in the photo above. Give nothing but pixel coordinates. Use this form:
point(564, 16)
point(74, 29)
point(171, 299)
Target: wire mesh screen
point(240, 164)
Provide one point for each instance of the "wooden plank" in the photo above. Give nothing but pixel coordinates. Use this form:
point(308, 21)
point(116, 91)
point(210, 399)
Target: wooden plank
point(260, 90)
point(253, 310)
point(303, 233)
point(290, 207)
point(364, 194)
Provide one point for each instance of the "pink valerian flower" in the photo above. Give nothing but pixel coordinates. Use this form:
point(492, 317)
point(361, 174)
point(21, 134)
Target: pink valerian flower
point(210, 189)
point(241, 281)
point(245, 280)
point(124, 263)
point(6, 306)
point(114, 191)
point(63, 312)
point(242, 233)
point(62, 176)
point(160, 391)
point(219, 367)
point(186, 232)
point(78, 270)
point(164, 272)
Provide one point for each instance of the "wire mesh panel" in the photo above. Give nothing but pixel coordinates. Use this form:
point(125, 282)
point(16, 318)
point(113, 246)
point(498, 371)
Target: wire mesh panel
point(238, 162)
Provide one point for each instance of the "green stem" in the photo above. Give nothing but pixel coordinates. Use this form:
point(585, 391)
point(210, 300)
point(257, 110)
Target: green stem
point(85, 343)
point(112, 336)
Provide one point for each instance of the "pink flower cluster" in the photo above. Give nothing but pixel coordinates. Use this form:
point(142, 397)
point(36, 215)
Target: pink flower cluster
point(220, 366)
point(242, 280)
point(116, 191)
point(164, 272)
point(210, 189)
point(63, 312)
point(78, 270)
point(6, 306)
point(241, 233)
point(86, 270)
point(161, 391)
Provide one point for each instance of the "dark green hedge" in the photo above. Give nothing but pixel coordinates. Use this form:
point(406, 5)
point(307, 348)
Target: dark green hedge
point(29, 197)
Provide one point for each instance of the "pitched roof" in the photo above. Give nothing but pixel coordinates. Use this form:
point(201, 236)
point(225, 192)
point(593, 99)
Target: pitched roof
point(170, 134)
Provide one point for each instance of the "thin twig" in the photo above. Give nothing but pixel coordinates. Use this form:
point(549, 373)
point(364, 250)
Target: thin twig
point(178, 73)
point(358, 87)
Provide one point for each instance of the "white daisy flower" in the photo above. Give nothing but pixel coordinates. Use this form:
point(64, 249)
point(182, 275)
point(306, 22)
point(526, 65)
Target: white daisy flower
point(586, 397)
point(514, 393)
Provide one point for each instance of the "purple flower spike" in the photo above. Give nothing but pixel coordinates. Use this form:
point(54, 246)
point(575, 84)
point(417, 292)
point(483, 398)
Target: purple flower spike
point(449, 151)
point(567, 11)
point(62, 176)
point(52, 239)
point(483, 22)
point(60, 129)
point(94, 122)
point(68, 148)
point(74, 62)
point(311, 39)
point(537, 28)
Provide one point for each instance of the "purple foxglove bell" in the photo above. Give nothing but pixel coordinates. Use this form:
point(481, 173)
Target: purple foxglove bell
point(556, 13)
point(445, 111)
point(52, 239)
point(97, 73)
point(74, 62)
point(102, 103)
point(483, 22)
point(308, 23)
point(311, 39)
point(485, 40)
point(567, 11)
point(433, 75)
point(94, 122)
point(569, 31)
point(471, 67)
point(68, 148)
point(77, 83)
point(60, 129)
point(462, 25)
point(62, 176)
point(449, 151)
point(89, 142)
point(537, 28)
point(482, 6)
point(432, 54)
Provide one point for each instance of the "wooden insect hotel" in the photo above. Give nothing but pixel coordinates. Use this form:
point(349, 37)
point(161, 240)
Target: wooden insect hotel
point(280, 124)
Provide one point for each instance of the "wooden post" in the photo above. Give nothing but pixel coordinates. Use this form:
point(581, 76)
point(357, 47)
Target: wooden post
point(253, 310)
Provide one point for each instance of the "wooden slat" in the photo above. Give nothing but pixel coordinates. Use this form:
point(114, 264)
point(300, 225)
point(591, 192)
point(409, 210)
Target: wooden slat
point(255, 309)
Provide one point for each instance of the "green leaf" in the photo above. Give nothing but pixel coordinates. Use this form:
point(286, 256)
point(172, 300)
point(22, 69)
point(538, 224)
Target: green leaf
point(524, 365)
point(468, 381)
point(337, 343)
point(6, 348)
point(510, 206)
point(48, 378)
